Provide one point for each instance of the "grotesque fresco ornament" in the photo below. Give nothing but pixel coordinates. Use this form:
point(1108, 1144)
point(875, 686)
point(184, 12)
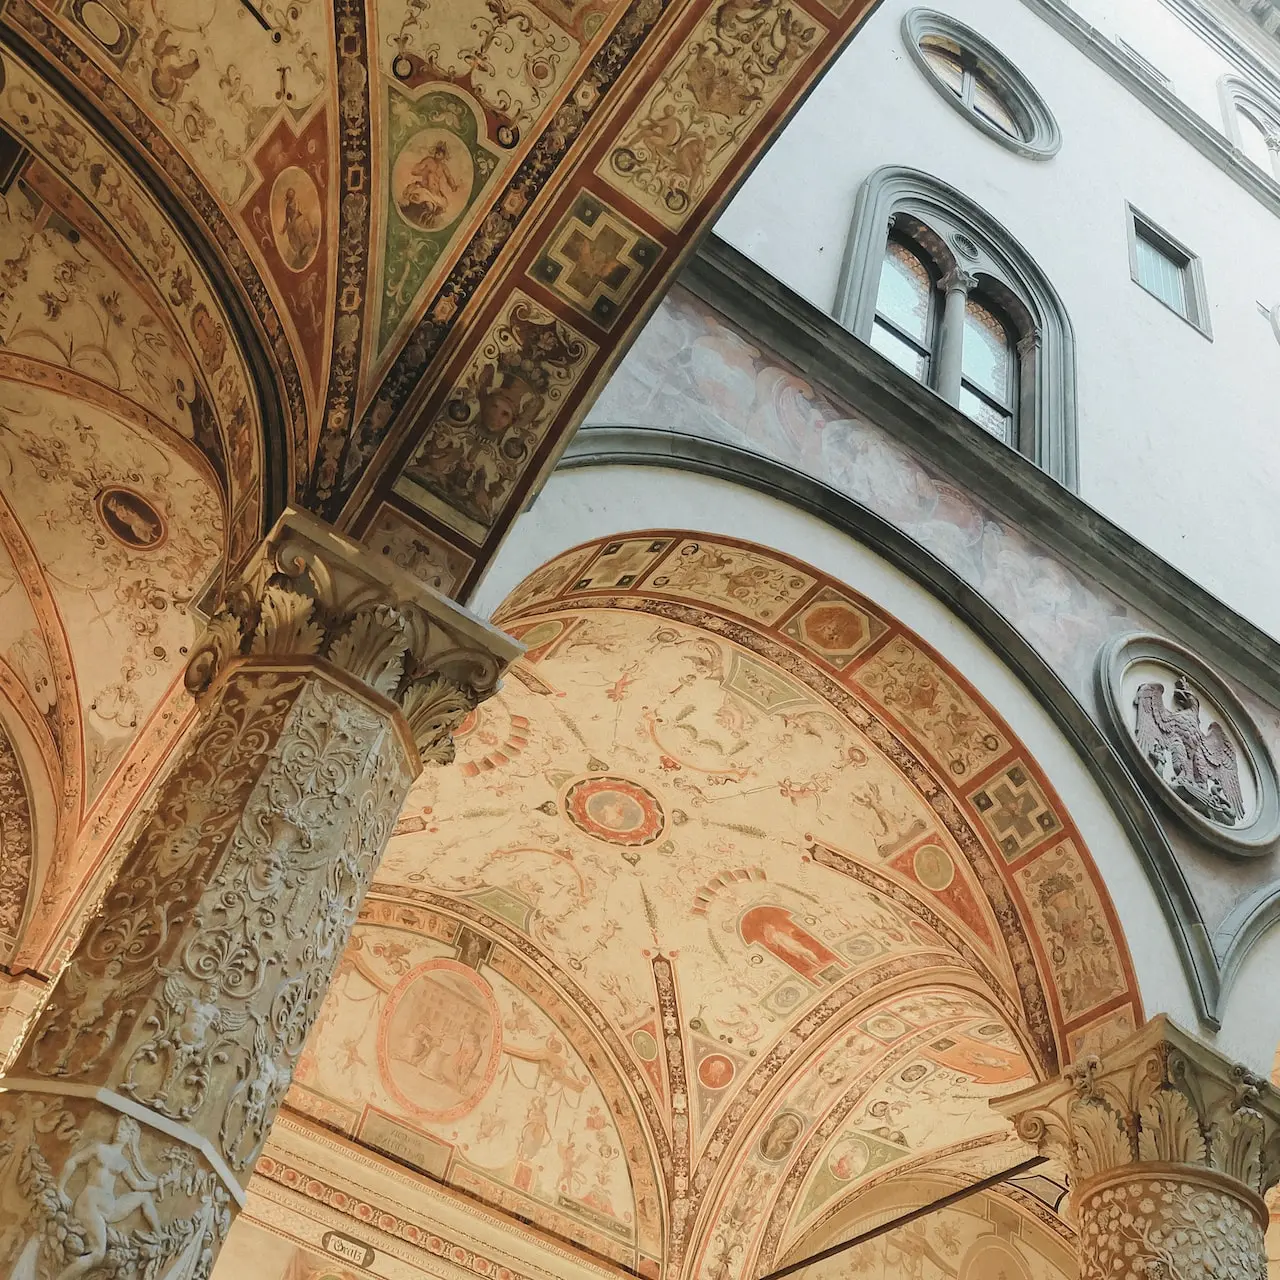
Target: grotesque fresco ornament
point(1192, 740)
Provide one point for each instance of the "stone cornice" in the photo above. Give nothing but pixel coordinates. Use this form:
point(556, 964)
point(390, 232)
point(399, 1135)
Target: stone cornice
point(309, 592)
point(1161, 1098)
point(1210, 142)
point(846, 369)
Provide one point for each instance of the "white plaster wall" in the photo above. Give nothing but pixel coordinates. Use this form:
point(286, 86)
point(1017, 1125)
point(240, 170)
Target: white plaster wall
point(1178, 435)
point(579, 505)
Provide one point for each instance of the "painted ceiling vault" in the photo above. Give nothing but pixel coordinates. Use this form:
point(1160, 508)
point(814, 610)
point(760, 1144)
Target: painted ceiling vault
point(433, 225)
point(737, 909)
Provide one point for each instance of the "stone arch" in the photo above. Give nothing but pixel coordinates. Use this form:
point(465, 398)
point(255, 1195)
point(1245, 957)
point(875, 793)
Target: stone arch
point(553, 1047)
point(959, 868)
point(28, 824)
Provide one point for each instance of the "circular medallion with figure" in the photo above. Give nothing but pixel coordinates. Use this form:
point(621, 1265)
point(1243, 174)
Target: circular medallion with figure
point(440, 1039)
point(129, 518)
point(615, 810)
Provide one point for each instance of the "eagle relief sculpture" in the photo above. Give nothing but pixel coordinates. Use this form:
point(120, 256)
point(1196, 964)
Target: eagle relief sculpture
point(1197, 764)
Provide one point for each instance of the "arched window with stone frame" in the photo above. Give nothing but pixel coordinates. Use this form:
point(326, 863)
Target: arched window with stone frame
point(934, 283)
point(1251, 118)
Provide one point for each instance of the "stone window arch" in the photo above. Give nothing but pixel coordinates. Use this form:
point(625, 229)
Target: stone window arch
point(977, 287)
point(975, 78)
point(1252, 122)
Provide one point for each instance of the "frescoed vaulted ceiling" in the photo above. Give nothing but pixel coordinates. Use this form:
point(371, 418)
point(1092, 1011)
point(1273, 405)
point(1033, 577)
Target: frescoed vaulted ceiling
point(432, 225)
point(749, 907)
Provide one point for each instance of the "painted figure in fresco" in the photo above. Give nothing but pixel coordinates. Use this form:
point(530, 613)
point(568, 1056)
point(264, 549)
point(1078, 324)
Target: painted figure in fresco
point(431, 183)
point(536, 1133)
point(781, 1135)
point(1198, 764)
point(774, 929)
point(137, 526)
point(297, 231)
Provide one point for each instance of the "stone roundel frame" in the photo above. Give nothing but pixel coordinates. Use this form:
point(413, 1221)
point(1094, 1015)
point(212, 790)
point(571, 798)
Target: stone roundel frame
point(1254, 838)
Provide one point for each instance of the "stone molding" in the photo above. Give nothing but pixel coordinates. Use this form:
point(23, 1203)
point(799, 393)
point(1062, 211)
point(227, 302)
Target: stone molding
point(1042, 138)
point(1162, 1100)
point(309, 592)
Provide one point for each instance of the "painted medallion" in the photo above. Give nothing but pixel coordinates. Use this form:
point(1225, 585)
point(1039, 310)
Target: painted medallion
point(440, 1040)
point(615, 810)
point(296, 218)
point(129, 518)
point(432, 178)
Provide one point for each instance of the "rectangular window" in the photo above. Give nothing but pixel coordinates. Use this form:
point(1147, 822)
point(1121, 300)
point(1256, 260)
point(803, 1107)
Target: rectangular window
point(1148, 69)
point(1167, 270)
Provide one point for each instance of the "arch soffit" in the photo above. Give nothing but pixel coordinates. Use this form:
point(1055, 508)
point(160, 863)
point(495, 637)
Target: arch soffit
point(860, 1109)
point(996, 257)
point(1210, 968)
point(28, 825)
point(892, 1195)
point(488, 941)
point(719, 583)
point(95, 175)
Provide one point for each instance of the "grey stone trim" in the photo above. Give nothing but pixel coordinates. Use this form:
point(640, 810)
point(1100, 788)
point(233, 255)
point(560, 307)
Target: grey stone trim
point(1047, 374)
point(653, 447)
point(1218, 34)
point(1017, 93)
point(1208, 141)
point(1197, 313)
point(849, 370)
point(1251, 839)
point(1236, 94)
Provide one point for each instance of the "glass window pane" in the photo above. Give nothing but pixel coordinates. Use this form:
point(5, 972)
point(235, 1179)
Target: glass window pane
point(900, 351)
point(987, 356)
point(945, 63)
point(905, 290)
point(996, 422)
point(1159, 274)
point(1253, 141)
point(987, 103)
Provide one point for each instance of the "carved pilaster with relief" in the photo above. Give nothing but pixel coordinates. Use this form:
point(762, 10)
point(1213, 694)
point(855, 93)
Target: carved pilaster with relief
point(1170, 1149)
point(143, 1092)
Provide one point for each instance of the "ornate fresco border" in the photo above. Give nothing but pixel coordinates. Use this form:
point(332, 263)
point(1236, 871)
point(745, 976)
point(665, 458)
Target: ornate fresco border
point(1255, 837)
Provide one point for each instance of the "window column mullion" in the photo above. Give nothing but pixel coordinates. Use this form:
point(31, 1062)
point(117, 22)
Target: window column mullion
point(956, 285)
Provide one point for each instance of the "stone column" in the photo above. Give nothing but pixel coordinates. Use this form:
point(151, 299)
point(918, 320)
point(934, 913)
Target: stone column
point(1169, 1149)
point(140, 1098)
point(956, 285)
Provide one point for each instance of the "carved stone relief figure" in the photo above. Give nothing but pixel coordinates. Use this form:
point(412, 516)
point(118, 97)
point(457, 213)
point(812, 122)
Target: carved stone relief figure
point(147, 1085)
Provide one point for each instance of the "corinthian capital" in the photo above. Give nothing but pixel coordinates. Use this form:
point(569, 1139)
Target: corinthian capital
point(311, 593)
point(1161, 1098)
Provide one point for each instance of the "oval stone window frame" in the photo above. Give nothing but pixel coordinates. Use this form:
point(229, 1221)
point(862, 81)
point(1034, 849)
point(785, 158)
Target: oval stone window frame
point(1042, 137)
point(1250, 839)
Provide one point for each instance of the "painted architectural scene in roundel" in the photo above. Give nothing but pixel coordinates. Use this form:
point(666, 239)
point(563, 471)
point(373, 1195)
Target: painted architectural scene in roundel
point(751, 903)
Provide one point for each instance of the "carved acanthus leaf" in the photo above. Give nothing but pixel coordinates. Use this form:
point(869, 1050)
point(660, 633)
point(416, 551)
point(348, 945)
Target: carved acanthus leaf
point(434, 709)
point(1170, 1130)
point(285, 624)
point(309, 592)
point(1101, 1141)
point(1236, 1147)
point(372, 648)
